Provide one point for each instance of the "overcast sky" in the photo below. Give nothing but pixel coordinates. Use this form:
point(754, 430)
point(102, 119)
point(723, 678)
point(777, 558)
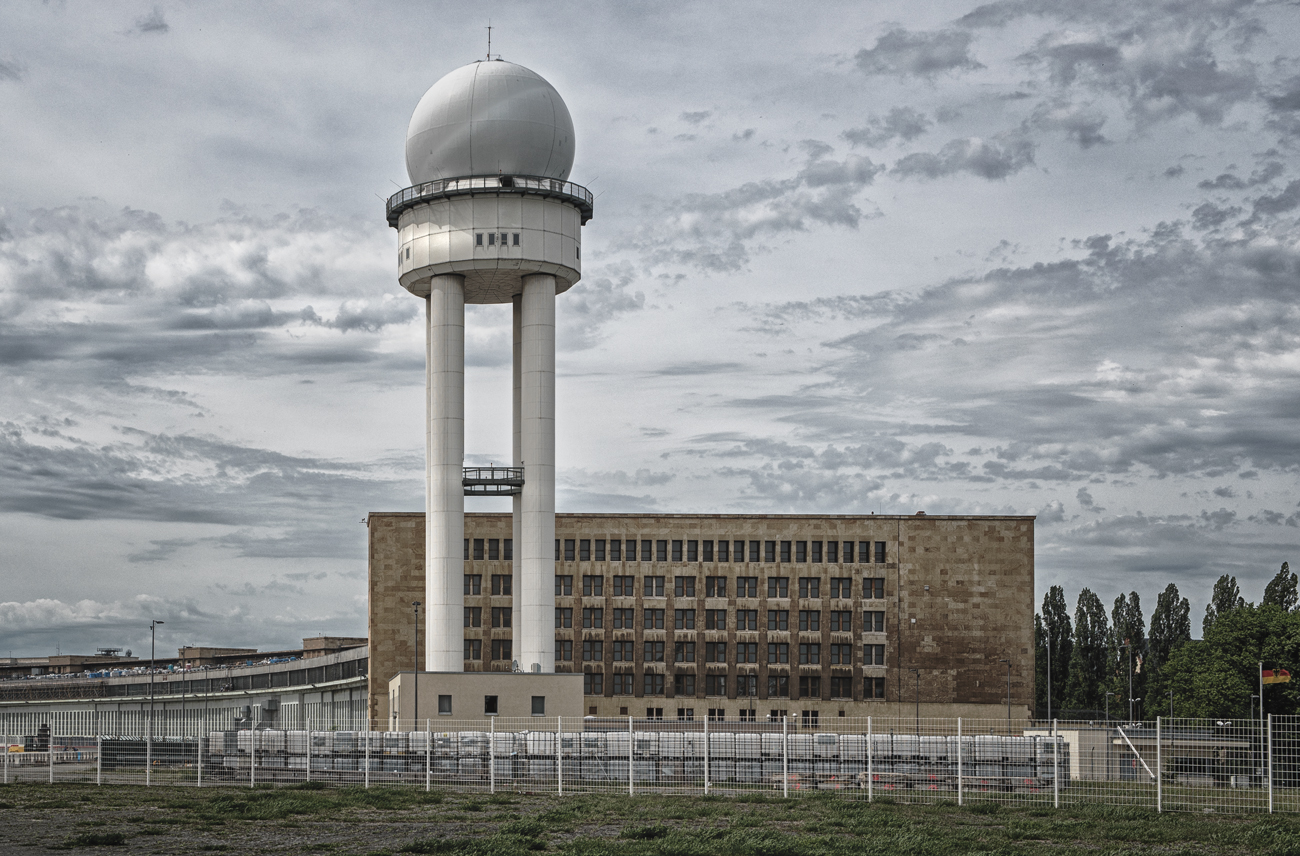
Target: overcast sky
point(1026, 257)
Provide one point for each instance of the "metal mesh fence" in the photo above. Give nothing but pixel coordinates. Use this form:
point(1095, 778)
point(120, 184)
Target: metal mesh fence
point(1234, 766)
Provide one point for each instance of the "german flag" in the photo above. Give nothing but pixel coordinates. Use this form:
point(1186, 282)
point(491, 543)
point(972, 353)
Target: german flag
point(1276, 676)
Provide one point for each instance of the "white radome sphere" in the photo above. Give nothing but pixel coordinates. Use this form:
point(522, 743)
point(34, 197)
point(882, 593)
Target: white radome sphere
point(489, 118)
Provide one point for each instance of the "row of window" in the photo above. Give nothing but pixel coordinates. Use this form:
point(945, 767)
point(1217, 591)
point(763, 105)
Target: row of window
point(809, 653)
point(746, 686)
point(593, 618)
point(593, 585)
point(676, 550)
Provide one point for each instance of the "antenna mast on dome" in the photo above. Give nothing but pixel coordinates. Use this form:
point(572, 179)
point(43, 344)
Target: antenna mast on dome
point(489, 29)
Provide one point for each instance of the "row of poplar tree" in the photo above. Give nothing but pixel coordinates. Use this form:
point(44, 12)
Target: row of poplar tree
point(1216, 676)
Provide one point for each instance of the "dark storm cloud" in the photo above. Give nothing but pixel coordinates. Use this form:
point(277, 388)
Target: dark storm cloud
point(901, 123)
point(993, 159)
point(1228, 181)
point(1281, 203)
point(902, 52)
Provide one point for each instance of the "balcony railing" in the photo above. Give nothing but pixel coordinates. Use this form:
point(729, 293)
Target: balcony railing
point(492, 481)
point(575, 194)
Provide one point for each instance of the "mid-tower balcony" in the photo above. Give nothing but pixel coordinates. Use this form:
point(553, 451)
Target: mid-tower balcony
point(574, 194)
point(492, 481)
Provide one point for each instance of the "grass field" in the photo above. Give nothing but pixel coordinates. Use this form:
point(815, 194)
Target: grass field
point(85, 819)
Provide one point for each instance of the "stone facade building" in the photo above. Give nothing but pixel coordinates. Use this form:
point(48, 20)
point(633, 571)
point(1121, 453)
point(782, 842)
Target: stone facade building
point(743, 616)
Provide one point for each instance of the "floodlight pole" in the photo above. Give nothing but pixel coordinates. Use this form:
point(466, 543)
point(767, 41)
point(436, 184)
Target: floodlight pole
point(416, 666)
point(148, 745)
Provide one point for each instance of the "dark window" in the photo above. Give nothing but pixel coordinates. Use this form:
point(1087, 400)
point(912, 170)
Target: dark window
point(584, 550)
point(646, 548)
point(873, 688)
point(593, 586)
point(508, 549)
point(778, 686)
point(654, 713)
point(833, 551)
point(514, 238)
point(473, 649)
point(593, 619)
point(444, 705)
point(864, 552)
point(848, 552)
point(624, 586)
point(841, 687)
point(715, 586)
point(593, 683)
point(692, 551)
point(746, 586)
point(873, 622)
point(564, 649)
point(600, 549)
point(715, 685)
point(873, 655)
point(841, 587)
point(810, 654)
point(809, 717)
point(841, 655)
point(683, 619)
point(661, 550)
point(841, 621)
point(490, 705)
point(778, 586)
point(623, 619)
point(684, 685)
point(568, 549)
point(816, 551)
point(715, 619)
point(724, 548)
point(810, 686)
point(747, 652)
point(500, 616)
point(623, 684)
point(801, 551)
point(778, 652)
point(746, 687)
point(778, 619)
point(684, 587)
point(708, 551)
point(747, 619)
point(473, 616)
point(684, 652)
point(615, 551)
point(478, 548)
point(654, 652)
point(652, 619)
point(880, 551)
point(715, 652)
point(622, 651)
point(769, 551)
point(753, 550)
point(563, 617)
point(473, 584)
point(492, 239)
point(501, 649)
point(467, 550)
point(785, 551)
point(478, 239)
point(810, 620)
point(494, 549)
point(502, 584)
point(810, 587)
point(593, 651)
point(563, 585)
point(677, 551)
point(873, 587)
point(654, 587)
point(653, 685)
point(557, 549)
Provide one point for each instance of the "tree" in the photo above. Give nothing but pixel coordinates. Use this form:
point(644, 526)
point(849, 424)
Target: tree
point(1281, 590)
point(1224, 599)
point(1087, 671)
point(1054, 642)
point(1171, 628)
point(1128, 645)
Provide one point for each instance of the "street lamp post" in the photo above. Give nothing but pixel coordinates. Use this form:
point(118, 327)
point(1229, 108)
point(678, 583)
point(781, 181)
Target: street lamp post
point(1108, 695)
point(1008, 662)
point(1049, 675)
point(148, 745)
point(1129, 646)
point(416, 657)
point(917, 672)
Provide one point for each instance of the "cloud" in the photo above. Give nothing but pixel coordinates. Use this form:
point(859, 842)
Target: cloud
point(696, 117)
point(993, 159)
point(1228, 181)
point(10, 70)
point(594, 303)
point(152, 24)
point(1280, 203)
point(902, 52)
point(1081, 123)
point(902, 123)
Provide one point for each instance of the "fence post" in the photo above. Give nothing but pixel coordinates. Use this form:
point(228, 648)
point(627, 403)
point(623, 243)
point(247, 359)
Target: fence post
point(199, 741)
point(631, 739)
point(706, 755)
point(785, 756)
point(50, 755)
point(559, 754)
point(1056, 764)
point(492, 756)
point(960, 789)
point(1160, 779)
point(6, 762)
point(428, 750)
point(148, 751)
point(870, 771)
point(252, 757)
point(366, 734)
point(1269, 767)
point(99, 759)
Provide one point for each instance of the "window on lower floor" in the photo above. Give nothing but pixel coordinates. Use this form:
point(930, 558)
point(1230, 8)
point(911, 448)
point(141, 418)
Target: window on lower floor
point(563, 616)
point(501, 616)
point(808, 718)
point(810, 653)
point(746, 652)
point(841, 687)
point(652, 684)
point(778, 652)
point(654, 713)
point(473, 649)
point(593, 651)
point(715, 685)
point(502, 584)
point(501, 649)
point(873, 622)
point(684, 685)
point(686, 714)
point(564, 649)
point(715, 652)
point(810, 686)
point(654, 652)
point(747, 686)
point(778, 686)
point(623, 684)
point(593, 683)
point(563, 585)
point(622, 651)
point(683, 652)
point(841, 655)
point(473, 616)
point(873, 688)
point(873, 655)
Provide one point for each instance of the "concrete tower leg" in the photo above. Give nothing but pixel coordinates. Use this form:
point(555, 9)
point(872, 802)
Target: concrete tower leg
point(444, 564)
point(516, 414)
point(535, 595)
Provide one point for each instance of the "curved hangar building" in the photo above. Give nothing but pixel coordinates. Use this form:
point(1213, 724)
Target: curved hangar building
point(617, 615)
